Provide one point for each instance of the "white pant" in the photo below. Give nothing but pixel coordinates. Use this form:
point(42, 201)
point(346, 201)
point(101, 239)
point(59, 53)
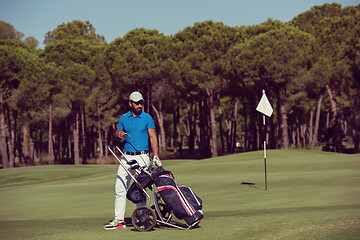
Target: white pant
point(123, 180)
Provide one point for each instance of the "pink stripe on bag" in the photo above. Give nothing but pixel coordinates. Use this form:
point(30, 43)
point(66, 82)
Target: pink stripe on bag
point(186, 199)
point(181, 199)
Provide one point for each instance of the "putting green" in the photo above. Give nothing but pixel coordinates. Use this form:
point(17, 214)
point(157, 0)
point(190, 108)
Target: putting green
point(311, 195)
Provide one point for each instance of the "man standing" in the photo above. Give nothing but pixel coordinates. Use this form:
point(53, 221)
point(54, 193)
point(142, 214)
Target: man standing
point(135, 128)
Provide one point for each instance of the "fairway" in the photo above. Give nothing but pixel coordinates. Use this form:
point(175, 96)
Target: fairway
point(311, 195)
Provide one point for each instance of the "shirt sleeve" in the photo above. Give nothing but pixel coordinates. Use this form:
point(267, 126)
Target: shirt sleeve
point(151, 123)
point(120, 124)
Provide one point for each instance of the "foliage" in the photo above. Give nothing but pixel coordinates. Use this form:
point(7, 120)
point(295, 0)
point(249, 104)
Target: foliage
point(201, 86)
point(73, 30)
point(7, 31)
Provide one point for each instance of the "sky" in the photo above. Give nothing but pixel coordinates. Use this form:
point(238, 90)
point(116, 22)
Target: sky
point(114, 18)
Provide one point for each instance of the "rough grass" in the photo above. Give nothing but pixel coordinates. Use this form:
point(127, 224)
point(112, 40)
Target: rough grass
point(311, 195)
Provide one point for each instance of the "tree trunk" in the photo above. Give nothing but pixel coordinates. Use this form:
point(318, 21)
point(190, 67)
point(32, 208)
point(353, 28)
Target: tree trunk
point(76, 135)
point(176, 128)
point(297, 132)
point(336, 131)
point(246, 126)
point(356, 128)
point(253, 127)
point(189, 126)
point(179, 135)
point(327, 120)
point(205, 129)
point(317, 123)
point(221, 131)
point(26, 141)
point(60, 151)
point(258, 134)
point(10, 129)
point(311, 128)
point(234, 125)
point(106, 137)
point(101, 152)
point(160, 118)
point(83, 135)
point(11, 142)
point(50, 142)
point(228, 123)
point(69, 152)
point(3, 148)
point(293, 136)
point(213, 132)
point(333, 104)
point(303, 134)
point(284, 124)
point(33, 151)
point(192, 126)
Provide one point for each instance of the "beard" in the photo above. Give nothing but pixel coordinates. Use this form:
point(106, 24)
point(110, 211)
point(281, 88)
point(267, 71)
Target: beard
point(136, 110)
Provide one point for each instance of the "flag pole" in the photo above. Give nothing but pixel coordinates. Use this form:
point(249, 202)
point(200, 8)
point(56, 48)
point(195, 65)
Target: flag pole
point(265, 108)
point(263, 91)
point(265, 152)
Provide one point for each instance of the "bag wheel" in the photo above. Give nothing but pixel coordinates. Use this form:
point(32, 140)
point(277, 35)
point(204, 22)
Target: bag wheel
point(144, 219)
point(165, 211)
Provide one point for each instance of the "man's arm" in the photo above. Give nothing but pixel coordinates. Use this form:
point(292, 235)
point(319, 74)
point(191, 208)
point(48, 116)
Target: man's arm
point(153, 141)
point(120, 133)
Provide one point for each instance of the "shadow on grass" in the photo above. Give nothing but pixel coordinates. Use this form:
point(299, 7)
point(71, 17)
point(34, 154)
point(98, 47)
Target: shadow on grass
point(250, 184)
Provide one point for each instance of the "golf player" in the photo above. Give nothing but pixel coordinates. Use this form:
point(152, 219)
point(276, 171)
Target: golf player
point(135, 128)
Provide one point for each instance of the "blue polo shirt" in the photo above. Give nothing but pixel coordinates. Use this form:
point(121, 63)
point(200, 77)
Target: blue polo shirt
point(137, 127)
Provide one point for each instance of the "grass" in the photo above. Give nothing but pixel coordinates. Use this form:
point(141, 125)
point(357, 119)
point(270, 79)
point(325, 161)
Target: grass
point(311, 195)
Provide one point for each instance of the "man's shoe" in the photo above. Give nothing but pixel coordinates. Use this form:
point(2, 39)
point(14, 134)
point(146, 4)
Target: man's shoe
point(115, 224)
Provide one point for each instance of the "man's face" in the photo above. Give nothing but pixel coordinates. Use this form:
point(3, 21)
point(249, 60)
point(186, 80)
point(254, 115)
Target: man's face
point(136, 107)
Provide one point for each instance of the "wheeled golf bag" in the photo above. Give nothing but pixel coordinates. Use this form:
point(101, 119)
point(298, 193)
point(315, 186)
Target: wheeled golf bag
point(184, 202)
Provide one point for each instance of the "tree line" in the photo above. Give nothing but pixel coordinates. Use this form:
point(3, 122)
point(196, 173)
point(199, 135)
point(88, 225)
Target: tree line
point(61, 104)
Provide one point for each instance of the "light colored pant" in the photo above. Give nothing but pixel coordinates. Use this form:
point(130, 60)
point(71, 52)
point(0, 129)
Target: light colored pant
point(122, 184)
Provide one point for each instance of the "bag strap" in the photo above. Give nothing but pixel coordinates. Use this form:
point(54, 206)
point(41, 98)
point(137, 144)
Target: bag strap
point(146, 182)
point(159, 173)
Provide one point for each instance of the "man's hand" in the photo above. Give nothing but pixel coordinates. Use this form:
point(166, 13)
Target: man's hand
point(120, 134)
point(157, 161)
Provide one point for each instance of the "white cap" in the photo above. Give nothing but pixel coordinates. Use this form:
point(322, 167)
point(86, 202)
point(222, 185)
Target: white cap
point(135, 96)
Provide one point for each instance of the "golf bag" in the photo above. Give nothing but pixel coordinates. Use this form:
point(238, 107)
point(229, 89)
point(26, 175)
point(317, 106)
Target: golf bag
point(183, 201)
point(135, 192)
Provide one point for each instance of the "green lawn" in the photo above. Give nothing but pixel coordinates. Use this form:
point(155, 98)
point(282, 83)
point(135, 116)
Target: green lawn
point(311, 195)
